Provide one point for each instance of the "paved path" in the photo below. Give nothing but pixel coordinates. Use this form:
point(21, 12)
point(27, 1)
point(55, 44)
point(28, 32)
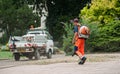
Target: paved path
point(64, 65)
point(112, 67)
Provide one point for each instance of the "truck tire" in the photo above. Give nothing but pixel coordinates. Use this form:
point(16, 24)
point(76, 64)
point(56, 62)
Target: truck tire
point(37, 54)
point(49, 54)
point(16, 56)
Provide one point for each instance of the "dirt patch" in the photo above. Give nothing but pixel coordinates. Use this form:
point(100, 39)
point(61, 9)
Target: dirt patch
point(70, 59)
point(60, 59)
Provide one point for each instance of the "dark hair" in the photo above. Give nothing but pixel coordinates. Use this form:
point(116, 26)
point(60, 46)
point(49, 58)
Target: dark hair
point(75, 20)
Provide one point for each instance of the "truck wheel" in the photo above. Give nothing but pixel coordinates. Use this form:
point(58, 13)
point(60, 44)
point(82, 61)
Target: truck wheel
point(49, 54)
point(16, 56)
point(37, 54)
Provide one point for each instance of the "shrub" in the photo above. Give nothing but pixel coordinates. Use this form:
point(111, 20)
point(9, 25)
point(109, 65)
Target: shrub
point(67, 38)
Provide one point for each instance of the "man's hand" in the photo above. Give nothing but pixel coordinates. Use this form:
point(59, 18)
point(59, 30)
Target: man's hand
point(73, 41)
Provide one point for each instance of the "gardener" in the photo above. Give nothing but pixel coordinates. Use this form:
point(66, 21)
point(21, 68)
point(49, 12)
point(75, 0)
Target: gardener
point(78, 43)
point(31, 27)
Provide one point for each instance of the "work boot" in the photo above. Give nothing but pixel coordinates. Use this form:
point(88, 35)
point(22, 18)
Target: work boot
point(82, 60)
point(80, 63)
point(74, 54)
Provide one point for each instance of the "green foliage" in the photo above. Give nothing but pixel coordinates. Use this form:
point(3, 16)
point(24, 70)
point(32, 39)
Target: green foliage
point(102, 11)
point(5, 55)
point(67, 38)
point(16, 18)
point(103, 14)
point(94, 34)
point(62, 11)
point(3, 39)
point(110, 36)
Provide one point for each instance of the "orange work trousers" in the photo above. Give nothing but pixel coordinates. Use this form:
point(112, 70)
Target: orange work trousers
point(80, 44)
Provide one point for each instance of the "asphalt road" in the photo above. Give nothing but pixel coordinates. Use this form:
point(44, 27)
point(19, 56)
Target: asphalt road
point(60, 64)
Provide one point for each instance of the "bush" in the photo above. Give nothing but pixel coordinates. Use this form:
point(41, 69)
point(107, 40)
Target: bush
point(67, 39)
point(105, 38)
point(90, 43)
point(109, 39)
point(103, 14)
point(94, 34)
point(102, 38)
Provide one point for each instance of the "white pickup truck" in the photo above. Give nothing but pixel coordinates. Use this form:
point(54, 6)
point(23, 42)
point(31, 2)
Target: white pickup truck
point(35, 43)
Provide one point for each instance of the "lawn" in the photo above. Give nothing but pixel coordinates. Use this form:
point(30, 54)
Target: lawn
point(5, 55)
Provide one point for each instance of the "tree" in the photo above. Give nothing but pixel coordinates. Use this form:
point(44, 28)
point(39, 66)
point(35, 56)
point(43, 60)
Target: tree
point(104, 14)
point(15, 18)
point(15, 13)
point(62, 11)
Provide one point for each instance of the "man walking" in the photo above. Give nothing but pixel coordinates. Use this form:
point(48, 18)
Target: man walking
point(78, 43)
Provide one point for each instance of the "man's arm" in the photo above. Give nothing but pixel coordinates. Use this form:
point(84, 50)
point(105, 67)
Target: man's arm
point(75, 35)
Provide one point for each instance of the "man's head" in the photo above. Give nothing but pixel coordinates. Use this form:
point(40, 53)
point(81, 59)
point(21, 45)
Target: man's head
point(31, 26)
point(75, 21)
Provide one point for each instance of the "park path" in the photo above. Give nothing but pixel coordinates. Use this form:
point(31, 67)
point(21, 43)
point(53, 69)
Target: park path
point(66, 65)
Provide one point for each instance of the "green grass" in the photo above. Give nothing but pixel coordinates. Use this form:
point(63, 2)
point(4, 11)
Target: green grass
point(5, 55)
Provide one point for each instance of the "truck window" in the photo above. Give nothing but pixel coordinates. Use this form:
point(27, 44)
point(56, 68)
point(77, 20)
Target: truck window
point(48, 35)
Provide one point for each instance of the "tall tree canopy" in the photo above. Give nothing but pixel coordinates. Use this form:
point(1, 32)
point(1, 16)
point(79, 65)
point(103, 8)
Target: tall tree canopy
point(105, 15)
point(16, 17)
point(62, 11)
